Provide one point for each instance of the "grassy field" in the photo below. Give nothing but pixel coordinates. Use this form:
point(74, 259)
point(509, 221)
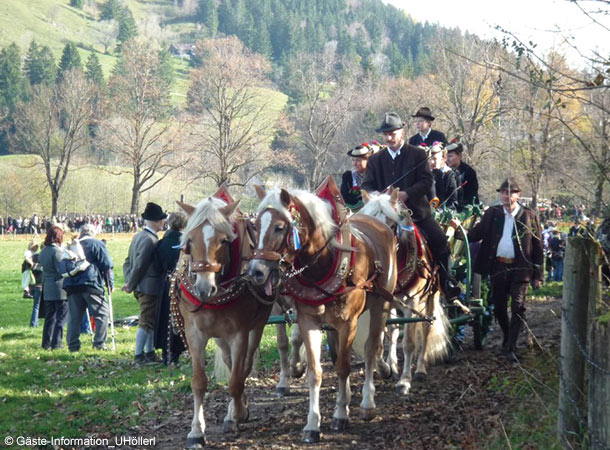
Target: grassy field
point(58, 393)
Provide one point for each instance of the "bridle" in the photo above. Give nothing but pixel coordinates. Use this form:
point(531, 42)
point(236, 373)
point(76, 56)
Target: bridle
point(200, 266)
point(274, 255)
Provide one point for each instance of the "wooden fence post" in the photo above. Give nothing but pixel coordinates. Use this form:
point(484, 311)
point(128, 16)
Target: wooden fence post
point(598, 367)
point(599, 385)
point(576, 287)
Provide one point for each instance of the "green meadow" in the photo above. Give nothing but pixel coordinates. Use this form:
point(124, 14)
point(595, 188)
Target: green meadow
point(58, 393)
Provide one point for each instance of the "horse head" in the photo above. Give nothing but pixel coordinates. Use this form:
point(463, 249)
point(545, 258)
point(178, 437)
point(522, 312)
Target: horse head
point(289, 225)
point(384, 207)
point(209, 227)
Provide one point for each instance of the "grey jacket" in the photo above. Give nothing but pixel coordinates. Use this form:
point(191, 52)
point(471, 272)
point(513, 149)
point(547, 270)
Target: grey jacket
point(51, 278)
point(140, 273)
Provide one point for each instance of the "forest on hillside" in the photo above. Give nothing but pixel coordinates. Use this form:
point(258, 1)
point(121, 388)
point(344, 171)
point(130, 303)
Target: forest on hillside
point(277, 91)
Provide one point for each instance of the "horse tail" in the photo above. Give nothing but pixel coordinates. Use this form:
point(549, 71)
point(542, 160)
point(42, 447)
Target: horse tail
point(438, 337)
point(222, 373)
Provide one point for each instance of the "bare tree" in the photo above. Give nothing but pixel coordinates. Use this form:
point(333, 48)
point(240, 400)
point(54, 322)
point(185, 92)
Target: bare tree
point(107, 34)
point(326, 99)
point(53, 125)
point(140, 127)
point(234, 127)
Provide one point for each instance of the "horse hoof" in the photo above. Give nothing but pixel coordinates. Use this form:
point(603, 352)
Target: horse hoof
point(420, 376)
point(297, 372)
point(338, 424)
point(402, 390)
point(282, 391)
point(385, 371)
point(311, 436)
point(195, 442)
point(367, 414)
point(229, 426)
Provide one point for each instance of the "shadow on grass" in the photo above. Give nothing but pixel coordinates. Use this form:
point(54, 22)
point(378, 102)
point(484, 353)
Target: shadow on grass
point(11, 336)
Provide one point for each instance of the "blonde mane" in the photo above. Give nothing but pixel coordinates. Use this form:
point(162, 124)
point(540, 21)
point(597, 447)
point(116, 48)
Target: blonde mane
point(208, 210)
point(319, 210)
point(380, 206)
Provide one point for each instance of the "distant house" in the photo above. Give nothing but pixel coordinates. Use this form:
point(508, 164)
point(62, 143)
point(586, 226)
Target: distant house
point(182, 50)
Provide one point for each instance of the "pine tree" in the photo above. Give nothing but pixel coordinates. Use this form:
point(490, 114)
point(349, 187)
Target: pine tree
point(93, 69)
point(110, 10)
point(207, 13)
point(226, 19)
point(127, 26)
point(12, 87)
point(166, 69)
point(39, 66)
point(70, 59)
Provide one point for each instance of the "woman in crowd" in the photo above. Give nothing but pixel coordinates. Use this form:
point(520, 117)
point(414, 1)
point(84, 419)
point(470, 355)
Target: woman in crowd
point(36, 288)
point(166, 258)
point(55, 298)
point(445, 179)
point(351, 180)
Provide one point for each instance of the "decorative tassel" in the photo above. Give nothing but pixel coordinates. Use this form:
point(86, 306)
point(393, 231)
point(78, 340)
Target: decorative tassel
point(296, 240)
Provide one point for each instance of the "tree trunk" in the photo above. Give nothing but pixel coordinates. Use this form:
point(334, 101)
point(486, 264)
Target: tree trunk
point(135, 196)
point(54, 198)
point(599, 192)
point(599, 386)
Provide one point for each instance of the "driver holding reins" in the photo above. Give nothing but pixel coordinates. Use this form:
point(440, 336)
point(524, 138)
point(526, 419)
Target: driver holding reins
point(404, 166)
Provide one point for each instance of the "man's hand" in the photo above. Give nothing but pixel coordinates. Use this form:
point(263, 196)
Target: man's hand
point(536, 284)
point(126, 289)
point(403, 196)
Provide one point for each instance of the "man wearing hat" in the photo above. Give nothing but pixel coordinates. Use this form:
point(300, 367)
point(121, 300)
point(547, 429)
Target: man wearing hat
point(143, 279)
point(425, 133)
point(406, 167)
point(352, 179)
point(511, 253)
point(468, 193)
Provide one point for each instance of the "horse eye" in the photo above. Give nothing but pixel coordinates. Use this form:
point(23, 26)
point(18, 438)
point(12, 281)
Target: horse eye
point(225, 241)
point(279, 228)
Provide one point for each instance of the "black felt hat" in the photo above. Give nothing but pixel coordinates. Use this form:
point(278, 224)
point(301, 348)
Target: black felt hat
point(391, 122)
point(455, 147)
point(424, 112)
point(153, 212)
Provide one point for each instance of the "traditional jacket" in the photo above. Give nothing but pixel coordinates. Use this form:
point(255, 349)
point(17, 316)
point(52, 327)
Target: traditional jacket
point(527, 242)
point(140, 273)
point(445, 184)
point(469, 193)
point(433, 136)
point(382, 172)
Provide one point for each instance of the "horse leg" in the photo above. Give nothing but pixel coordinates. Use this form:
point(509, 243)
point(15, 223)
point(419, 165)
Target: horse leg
point(238, 409)
point(346, 333)
point(297, 367)
point(283, 385)
point(393, 332)
point(379, 310)
point(420, 368)
point(312, 338)
point(408, 347)
point(199, 384)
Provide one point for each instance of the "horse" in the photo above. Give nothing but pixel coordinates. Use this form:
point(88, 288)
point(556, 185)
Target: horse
point(334, 265)
point(210, 299)
point(417, 291)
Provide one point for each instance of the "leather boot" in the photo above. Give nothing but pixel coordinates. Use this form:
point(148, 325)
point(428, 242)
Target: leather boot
point(449, 285)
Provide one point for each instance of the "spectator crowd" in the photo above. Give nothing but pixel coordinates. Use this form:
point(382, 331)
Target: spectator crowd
point(35, 224)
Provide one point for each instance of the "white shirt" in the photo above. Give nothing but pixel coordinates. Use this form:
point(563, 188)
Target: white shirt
point(425, 136)
point(505, 246)
point(393, 153)
point(151, 230)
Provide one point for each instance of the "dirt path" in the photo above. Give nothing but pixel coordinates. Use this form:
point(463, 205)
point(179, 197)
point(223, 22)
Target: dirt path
point(457, 403)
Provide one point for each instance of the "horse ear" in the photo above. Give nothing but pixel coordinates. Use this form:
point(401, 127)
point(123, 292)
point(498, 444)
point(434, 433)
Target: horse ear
point(260, 191)
point(285, 198)
point(394, 195)
point(365, 196)
point(229, 209)
point(188, 209)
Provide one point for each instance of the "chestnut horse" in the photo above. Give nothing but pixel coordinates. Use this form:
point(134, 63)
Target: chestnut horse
point(214, 301)
point(417, 290)
point(329, 283)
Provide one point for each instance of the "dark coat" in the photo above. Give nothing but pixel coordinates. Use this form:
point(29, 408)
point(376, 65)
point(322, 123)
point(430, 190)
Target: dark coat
point(347, 182)
point(166, 258)
point(433, 136)
point(470, 192)
point(528, 245)
point(97, 274)
point(382, 171)
point(445, 184)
